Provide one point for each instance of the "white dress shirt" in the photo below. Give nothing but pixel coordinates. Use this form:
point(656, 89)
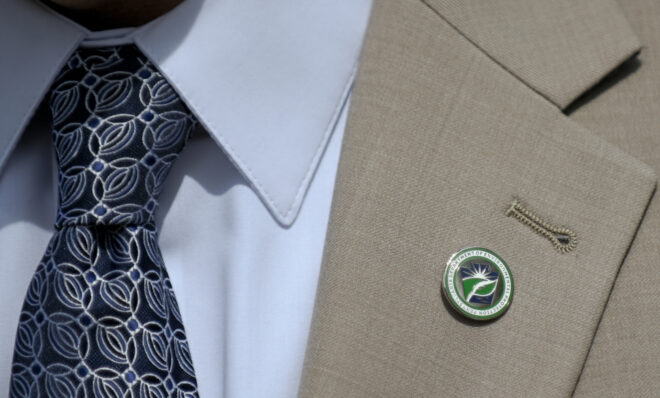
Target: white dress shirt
point(245, 209)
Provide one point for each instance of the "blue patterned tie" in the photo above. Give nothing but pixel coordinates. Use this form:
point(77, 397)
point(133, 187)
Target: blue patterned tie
point(100, 318)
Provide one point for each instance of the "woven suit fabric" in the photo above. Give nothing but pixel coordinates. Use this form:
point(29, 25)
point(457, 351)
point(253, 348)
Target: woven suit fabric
point(100, 318)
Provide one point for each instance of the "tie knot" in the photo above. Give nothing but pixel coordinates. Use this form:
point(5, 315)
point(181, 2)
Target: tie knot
point(118, 126)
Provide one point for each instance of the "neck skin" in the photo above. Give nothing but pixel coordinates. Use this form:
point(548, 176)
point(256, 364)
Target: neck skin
point(110, 14)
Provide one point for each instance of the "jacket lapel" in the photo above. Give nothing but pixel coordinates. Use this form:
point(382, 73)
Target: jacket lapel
point(440, 140)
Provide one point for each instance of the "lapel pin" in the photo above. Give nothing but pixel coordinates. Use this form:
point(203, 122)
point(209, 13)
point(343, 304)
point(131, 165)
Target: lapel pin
point(478, 284)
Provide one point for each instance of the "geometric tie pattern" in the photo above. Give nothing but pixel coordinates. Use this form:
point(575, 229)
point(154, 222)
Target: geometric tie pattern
point(100, 318)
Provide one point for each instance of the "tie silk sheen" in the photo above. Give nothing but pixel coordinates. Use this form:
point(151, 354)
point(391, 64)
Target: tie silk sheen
point(100, 318)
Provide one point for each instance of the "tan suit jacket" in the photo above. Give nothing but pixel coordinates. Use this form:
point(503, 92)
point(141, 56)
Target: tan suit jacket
point(459, 108)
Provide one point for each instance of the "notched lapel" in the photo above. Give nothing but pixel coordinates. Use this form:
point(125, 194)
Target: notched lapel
point(558, 48)
point(439, 141)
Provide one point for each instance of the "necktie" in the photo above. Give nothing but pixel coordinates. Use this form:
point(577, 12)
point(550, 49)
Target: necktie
point(100, 318)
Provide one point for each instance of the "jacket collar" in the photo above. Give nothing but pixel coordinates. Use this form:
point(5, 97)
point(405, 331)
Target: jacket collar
point(266, 80)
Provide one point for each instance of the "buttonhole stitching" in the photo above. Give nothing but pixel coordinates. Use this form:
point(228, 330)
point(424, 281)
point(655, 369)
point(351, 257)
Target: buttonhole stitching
point(562, 238)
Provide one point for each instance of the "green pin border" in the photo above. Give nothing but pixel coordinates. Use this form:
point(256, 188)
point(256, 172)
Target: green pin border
point(454, 304)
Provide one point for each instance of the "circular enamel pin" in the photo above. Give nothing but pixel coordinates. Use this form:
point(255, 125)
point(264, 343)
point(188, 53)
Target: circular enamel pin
point(478, 284)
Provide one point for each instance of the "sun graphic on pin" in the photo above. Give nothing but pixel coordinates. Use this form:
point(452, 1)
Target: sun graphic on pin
point(479, 283)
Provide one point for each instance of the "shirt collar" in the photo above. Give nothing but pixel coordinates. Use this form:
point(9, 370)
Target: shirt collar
point(266, 79)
